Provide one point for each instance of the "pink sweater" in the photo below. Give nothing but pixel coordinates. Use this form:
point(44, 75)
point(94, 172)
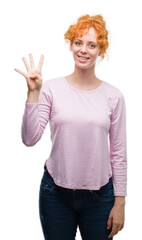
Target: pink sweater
point(81, 123)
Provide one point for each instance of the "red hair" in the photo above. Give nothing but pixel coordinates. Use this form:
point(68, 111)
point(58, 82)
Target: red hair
point(84, 23)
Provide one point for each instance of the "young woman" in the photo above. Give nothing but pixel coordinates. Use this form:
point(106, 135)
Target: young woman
point(84, 182)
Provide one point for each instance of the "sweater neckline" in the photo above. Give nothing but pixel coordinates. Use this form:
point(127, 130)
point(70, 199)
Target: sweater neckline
point(85, 91)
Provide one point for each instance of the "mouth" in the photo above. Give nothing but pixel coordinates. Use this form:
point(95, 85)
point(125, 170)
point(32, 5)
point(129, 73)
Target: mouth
point(82, 59)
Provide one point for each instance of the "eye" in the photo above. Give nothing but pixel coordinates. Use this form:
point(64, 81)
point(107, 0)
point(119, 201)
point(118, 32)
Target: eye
point(77, 43)
point(92, 45)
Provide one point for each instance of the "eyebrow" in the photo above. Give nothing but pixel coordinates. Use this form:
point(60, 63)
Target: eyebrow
point(89, 41)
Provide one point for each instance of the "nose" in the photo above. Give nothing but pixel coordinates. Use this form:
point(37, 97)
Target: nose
point(83, 49)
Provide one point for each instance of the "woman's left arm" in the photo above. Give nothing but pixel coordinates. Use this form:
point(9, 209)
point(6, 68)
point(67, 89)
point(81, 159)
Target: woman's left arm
point(118, 157)
point(118, 145)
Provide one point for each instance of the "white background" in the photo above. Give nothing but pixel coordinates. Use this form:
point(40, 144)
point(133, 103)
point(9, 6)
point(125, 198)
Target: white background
point(38, 27)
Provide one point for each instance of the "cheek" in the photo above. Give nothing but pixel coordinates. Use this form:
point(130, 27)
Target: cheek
point(75, 53)
point(95, 55)
point(75, 50)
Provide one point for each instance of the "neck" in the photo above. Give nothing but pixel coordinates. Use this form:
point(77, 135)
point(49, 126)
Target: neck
point(84, 77)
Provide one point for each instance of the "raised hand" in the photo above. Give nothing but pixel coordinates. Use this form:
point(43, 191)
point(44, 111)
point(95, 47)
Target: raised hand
point(33, 75)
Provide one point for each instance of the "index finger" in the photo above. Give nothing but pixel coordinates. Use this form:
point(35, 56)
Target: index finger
point(21, 72)
point(40, 62)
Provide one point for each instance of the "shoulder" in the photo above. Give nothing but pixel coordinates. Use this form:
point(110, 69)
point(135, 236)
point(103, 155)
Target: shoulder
point(111, 89)
point(112, 93)
point(52, 83)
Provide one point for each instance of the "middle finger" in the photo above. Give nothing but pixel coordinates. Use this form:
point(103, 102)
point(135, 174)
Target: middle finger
point(31, 60)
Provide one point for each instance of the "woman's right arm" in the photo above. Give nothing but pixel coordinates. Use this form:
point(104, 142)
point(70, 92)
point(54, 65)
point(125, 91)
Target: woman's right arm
point(32, 97)
point(37, 106)
point(36, 116)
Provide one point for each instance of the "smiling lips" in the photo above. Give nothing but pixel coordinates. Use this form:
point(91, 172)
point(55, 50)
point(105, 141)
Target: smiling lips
point(84, 59)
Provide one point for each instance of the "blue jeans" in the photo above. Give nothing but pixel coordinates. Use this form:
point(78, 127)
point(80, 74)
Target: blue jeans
point(62, 210)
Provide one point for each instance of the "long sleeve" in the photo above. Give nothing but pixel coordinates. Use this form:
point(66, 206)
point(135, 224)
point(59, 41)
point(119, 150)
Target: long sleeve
point(118, 146)
point(36, 116)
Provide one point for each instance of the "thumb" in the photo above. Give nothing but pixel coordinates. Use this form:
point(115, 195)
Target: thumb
point(109, 222)
point(36, 76)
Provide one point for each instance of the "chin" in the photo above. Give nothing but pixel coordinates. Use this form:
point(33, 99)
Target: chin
point(85, 66)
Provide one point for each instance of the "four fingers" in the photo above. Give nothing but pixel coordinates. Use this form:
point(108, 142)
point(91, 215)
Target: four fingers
point(32, 64)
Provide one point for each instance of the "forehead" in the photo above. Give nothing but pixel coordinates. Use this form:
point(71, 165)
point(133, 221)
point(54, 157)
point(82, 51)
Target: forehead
point(90, 36)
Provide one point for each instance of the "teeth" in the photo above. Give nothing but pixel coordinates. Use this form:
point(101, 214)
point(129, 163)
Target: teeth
point(82, 58)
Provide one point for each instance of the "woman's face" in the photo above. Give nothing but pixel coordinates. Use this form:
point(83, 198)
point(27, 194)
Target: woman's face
point(87, 48)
